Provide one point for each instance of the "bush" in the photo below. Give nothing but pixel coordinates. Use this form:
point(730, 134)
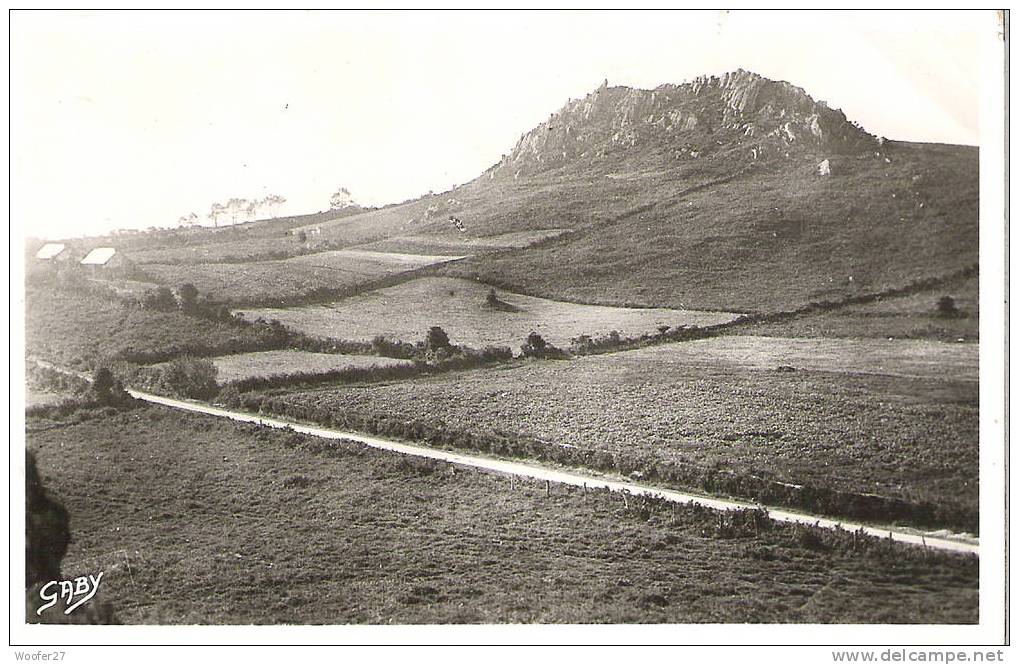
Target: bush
point(190, 377)
point(188, 297)
point(946, 306)
point(436, 339)
point(493, 353)
point(106, 390)
point(161, 300)
point(230, 396)
point(537, 347)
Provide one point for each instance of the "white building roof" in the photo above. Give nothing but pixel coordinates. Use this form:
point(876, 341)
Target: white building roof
point(98, 256)
point(50, 250)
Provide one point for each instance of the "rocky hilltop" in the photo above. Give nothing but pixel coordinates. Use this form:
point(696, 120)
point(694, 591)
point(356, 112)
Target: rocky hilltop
point(740, 111)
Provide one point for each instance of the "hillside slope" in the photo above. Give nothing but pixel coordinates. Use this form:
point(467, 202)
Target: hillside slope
point(713, 195)
point(733, 193)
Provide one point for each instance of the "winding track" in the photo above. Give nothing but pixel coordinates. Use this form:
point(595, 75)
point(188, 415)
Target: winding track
point(935, 540)
point(939, 540)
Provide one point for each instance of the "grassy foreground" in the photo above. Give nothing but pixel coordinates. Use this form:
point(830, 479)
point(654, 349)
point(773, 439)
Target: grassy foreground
point(199, 520)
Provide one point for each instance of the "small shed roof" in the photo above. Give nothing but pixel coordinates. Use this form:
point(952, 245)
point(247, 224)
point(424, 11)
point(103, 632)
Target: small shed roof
point(50, 250)
point(98, 256)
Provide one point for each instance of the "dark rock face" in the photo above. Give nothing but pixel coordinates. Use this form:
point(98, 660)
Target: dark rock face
point(740, 110)
point(48, 530)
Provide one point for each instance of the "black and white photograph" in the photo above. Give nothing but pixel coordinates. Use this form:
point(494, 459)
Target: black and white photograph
point(509, 327)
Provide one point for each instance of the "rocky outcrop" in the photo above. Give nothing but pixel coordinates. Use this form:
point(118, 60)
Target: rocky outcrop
point(706, 115)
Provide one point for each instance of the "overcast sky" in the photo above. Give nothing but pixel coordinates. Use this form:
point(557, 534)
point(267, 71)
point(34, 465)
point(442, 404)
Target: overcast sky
point(130, 120)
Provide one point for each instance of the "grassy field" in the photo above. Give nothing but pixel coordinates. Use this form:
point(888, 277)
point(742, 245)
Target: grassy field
point(919, 359)
point(914, 316)
point(279, 281)
point(461, 244)
point(240, 249)
point(277, 363)
point(79, 328)
point(259, 240)
point(370, 262)
point(196, 520)
point(914, 439)
point(35, 397)
point(406, 311)
point(125, 287)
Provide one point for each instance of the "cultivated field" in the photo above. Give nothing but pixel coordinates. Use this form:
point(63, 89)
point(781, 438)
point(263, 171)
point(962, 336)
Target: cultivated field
point(196, 521)
point(406, 311)
point(279, 363)
point(913, 439)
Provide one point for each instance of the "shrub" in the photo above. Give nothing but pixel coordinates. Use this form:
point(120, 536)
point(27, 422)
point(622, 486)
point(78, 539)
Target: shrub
point(106, 390)
point(494, 353)
point(436, 339)
point(537, 347)
point(230, 396)
point(581, 343)
point(188, 297)
point(190, 377)
point(946, 306)
point(161, 300)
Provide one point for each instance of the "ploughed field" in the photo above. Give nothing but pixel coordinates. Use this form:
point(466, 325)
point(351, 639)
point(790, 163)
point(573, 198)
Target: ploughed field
point(278, 281)
point(259, 364)
point(197, 520)
point(861, 417)
point(406, 311)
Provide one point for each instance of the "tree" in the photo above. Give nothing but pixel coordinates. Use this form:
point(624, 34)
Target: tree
point(190, 219)
point(106, 389)
point(188, 297)
point(436, 339)
point(340, 199)
point(102, 384)
point(272, 203)
point(215, 212)
point(236, 207)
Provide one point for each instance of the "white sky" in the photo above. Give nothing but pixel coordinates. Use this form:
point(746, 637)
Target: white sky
point(129, 120)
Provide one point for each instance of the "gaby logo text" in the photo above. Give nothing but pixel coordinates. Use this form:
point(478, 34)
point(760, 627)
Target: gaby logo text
point(80, 590)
